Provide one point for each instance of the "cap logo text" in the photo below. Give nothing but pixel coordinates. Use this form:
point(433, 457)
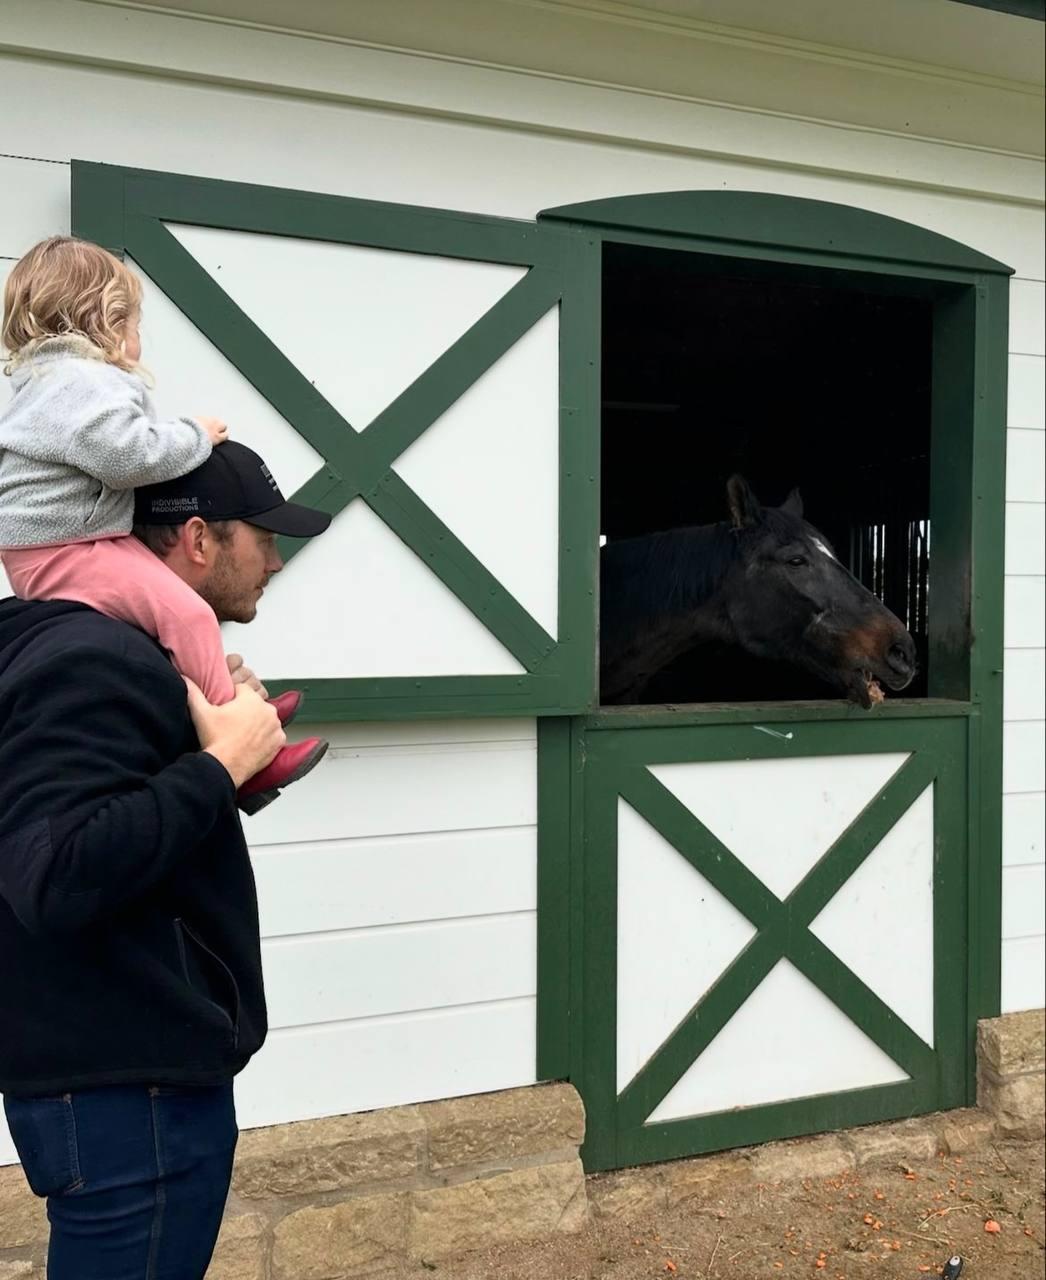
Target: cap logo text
point(165, 505)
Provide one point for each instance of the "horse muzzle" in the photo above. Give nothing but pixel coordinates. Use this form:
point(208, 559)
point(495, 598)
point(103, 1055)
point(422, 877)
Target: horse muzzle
point(879, 653)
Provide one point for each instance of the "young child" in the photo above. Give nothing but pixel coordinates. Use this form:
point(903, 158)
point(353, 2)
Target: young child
point(79, 435)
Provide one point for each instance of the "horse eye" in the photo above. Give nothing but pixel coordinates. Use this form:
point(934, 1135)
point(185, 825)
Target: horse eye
point(797, 562)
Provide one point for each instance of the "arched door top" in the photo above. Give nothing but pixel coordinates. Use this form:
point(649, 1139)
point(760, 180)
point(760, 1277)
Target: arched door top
point(781, 222)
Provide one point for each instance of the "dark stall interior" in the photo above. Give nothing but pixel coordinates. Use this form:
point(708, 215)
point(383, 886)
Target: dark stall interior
point(713, 366)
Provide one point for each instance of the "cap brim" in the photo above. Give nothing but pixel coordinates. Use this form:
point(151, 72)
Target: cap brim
point(292, 520)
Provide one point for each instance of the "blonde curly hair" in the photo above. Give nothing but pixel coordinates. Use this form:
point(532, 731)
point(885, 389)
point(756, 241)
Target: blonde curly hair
point(67, 287)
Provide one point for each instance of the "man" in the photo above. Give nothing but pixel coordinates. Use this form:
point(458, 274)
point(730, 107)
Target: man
point(130, 975)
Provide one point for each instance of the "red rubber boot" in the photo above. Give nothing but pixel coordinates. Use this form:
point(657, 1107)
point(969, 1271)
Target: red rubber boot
point(290, 764)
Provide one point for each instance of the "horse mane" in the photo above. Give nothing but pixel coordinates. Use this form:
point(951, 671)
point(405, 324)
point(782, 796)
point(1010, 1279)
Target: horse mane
point(664, 573)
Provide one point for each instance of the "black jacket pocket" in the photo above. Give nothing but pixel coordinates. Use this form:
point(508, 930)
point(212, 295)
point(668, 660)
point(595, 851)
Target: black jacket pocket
point(207, 974)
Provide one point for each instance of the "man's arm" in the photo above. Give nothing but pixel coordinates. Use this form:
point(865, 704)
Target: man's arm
point(93, 812)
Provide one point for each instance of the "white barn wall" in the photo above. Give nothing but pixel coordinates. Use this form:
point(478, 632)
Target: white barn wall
point(345, 877)
point(398, 896)
point(397, 891)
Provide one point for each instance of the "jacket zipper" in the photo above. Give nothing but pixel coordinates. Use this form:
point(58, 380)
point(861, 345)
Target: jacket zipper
point(182, 929)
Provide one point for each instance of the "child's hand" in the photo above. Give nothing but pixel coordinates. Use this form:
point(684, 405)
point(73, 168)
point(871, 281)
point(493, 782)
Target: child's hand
point(242, 674)
point(216, 430)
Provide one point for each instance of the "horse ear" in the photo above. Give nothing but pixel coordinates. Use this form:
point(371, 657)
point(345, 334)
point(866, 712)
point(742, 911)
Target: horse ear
point(793, 504)
point(744, 506)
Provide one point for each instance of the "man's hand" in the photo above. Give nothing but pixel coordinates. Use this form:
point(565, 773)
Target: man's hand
point(243, 735)
point(242, 674)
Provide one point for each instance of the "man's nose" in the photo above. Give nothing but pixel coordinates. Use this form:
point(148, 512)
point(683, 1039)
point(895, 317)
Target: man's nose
point(275, 562)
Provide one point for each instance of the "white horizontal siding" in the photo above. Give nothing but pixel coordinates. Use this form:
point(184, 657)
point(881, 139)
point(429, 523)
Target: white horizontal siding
point(304, 1072)
point(1023, 974)
point(1027, 318)
point(437, 875)
point(1025, 465)
point(407, 790)
point(1025, 684)
point(397, 892)
point(1024, 770)
point(404, 968)
point(1023, 830)
point(40, 207)
point(1023, 889)
point(1023, 901)
point(1022, 757)
point(1025, 610)
point(1026, 399)
point(393, 156)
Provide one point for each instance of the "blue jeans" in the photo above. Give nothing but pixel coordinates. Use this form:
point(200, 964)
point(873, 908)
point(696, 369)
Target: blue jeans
point(135, 1177)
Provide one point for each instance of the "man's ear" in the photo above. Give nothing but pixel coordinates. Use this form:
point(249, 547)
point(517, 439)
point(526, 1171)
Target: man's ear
point(744, 505)
point(193, 539)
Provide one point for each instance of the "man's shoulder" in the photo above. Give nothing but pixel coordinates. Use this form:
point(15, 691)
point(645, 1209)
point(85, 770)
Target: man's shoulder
point(34, 633)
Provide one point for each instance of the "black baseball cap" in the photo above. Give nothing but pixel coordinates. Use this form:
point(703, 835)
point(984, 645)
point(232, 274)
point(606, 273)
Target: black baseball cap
point(233, 484)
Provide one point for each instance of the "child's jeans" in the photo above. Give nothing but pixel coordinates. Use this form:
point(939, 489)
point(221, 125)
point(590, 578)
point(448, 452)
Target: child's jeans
point(123, 579)
point(135, 1177)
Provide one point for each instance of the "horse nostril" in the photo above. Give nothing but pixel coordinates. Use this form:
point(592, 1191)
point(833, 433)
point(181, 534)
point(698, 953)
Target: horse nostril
point(899, 658)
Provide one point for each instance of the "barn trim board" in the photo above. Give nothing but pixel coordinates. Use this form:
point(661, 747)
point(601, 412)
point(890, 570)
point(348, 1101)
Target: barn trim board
point(129, 212)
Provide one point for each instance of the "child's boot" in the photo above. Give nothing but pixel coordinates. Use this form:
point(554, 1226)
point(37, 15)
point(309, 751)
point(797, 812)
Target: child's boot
point(288, 705)
point(290, 764)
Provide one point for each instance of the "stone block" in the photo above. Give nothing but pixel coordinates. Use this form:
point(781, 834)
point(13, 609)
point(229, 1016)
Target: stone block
point(335, 1154)
point(526, 1204)
point(23, 1217)
point(242, 1249)
point(892, 1143)
point(503, 1126)
point(330, 1242)
point(1012, 1044)
point(631, 1195)
point(18, 1270)
point(968, 1130)
point(1018, 1105)
point(816, 1158)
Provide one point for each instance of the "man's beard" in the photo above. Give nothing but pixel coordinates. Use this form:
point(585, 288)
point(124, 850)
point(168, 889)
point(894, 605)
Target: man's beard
point(228, 595)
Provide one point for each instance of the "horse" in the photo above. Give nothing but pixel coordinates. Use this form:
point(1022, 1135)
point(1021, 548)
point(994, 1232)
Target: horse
point(764, 583)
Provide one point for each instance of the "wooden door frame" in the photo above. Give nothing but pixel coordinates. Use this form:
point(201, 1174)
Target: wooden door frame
point(970, 297)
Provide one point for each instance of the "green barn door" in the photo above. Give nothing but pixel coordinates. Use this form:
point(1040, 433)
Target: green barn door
point(784, 917)
point(447, 414)
point(774, 931)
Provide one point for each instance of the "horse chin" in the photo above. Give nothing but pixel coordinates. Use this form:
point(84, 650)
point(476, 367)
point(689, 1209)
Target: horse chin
point(864, 689)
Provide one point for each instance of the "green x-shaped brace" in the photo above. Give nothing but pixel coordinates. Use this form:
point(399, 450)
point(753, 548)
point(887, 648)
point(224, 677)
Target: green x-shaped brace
point(782, 931)
point(359, 464)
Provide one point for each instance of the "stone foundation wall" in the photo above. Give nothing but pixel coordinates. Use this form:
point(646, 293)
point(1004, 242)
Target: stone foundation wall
point(1011, 1072)
point(354, 1195)
point(357, 1194)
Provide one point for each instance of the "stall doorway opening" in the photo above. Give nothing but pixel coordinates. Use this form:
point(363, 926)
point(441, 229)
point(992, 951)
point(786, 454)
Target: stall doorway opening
point(714, 366)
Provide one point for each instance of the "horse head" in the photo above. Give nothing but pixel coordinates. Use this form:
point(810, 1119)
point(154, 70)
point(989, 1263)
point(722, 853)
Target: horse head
point(788, 598)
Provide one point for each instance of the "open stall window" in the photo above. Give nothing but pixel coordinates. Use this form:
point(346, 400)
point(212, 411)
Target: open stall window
point(797, 379)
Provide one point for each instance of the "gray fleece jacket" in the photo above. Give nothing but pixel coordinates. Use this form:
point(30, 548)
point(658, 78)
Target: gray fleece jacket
point(77, 437)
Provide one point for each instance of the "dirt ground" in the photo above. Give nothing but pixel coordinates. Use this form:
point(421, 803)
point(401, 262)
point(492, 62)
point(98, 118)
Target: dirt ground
point(883, 1223)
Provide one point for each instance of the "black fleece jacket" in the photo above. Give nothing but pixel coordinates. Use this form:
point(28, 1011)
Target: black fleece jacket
point(129, 948)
